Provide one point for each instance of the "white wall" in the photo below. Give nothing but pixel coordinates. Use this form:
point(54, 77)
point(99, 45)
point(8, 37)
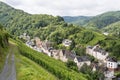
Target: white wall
point(111, 64)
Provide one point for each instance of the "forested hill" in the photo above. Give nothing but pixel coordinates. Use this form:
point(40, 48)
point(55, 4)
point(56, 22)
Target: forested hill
point(113, 29)
point(78, 20)
point(105, 19)
point(18, 21)
point(99, 21)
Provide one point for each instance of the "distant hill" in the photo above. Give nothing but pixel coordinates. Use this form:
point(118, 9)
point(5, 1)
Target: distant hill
point(77, 20)
point(18, 21)
point(102, 20)
point(99, 21)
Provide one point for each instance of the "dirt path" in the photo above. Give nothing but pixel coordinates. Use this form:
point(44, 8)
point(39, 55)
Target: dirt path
point(9, 71)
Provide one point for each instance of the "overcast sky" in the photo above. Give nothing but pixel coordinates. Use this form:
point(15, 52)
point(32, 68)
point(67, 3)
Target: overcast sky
point(65, 7)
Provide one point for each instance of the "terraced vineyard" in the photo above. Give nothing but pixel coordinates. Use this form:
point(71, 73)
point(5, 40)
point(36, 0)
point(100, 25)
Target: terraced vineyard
point(29, 70)
point(55, 67)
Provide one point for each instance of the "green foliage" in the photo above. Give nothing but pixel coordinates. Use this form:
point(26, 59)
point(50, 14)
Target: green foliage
point(3, 37)
point(29, 70)
point(86, 37)
point(99, 21)
point(113, 29)
point(102, 20)
point(57, 68)
point(77, 20)
point(91, 75)
point(18, 22)
point(112, 45)
point(72, 65)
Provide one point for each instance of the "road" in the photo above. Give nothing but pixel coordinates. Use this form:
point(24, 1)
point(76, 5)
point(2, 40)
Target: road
point(9, 71)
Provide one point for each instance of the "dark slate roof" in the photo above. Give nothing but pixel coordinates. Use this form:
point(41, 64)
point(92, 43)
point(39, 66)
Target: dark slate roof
point(100, 50)
point(82, 58)
point(68, 54)
point(89, 47)
point(111, 59)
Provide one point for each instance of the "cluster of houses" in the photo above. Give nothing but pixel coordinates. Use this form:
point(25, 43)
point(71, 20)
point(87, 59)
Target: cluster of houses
point(103, 57)
point(64, 55)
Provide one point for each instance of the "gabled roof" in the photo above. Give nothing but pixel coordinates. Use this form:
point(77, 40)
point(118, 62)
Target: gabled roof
point(111, 59)
point(90, 47)
point(68, 54)
point(82, 58)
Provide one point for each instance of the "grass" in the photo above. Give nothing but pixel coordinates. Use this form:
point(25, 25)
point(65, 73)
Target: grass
point(55, 67)
point(3, 53)
point(29, 70)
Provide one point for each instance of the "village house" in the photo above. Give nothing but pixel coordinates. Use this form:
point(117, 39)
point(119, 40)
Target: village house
point(24, 36)
point(63, 55)
point(106, 33)
point(111, 63)
point(46, 47)
point(30, 43)
point(109, 75)
point(81, 60)
point(97, 52)
point(38, 42)
point(66, 42)
point(55, 54)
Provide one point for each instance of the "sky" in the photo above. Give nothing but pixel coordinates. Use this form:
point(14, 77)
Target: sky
point(65, 7)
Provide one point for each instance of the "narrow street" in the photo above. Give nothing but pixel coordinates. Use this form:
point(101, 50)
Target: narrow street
point(9, 71)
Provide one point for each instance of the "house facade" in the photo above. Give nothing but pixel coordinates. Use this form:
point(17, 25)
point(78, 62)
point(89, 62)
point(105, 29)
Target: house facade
point(66, 42)
point(63, 55)
point(112, 63)
point(97, 52)
point(81, 60)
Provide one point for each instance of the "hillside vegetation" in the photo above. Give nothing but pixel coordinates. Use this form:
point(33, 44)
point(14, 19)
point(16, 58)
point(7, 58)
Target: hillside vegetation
point(113, 29)
point(99, 21)
point(3, 37)
point(56, 67)
point(102, 20)
point(3, 45)
point(18, 21)
point(47, 27)
point(26, 69)
point(77, 20)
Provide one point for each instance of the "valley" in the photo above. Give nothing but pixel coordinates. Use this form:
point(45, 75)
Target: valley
point(47, 47)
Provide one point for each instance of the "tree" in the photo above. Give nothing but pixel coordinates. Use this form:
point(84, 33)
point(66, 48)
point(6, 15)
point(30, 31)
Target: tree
point(71, 65)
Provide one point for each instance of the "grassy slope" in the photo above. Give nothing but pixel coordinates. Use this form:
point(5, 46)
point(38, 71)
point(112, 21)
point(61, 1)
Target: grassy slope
point(28, 70)
point(3, 50)
point(54, 65)
point(2, 57)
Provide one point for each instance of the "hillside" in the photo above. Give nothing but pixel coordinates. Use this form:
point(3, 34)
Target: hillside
point(44, 26)
point(3, 37)
point(55, 67)
point(99, 21)
point(77, 20)
point(18, 21)
point(104, 19)
point(3, 45)
point(27, 69)
point(113, 28)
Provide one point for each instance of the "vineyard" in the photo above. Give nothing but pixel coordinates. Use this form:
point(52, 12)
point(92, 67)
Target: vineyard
point(55, 67)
